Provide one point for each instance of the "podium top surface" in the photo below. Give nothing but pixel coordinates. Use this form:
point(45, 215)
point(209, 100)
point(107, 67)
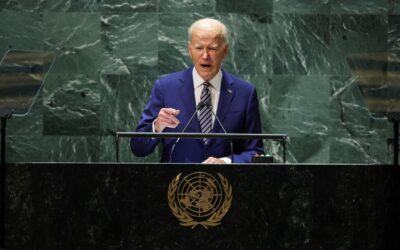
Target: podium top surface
point(283, 137)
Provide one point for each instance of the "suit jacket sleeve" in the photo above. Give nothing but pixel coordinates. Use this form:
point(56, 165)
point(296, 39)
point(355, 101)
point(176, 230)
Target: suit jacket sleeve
point(145, 146)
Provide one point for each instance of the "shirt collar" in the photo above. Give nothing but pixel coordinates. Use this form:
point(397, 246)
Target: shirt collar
point(215, 82)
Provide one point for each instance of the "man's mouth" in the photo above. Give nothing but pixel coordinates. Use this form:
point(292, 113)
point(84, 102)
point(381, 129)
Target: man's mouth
point(205, 65)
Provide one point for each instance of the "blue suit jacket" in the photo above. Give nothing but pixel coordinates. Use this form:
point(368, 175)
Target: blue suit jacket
point(237, 110)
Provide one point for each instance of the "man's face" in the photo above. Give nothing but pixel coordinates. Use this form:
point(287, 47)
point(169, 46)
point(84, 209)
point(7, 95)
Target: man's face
point(207, 51)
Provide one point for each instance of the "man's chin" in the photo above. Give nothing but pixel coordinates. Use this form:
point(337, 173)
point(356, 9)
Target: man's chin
point(206, 77)
point(206, 74)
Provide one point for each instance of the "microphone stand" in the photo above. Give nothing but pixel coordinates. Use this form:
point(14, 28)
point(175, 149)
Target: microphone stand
point(209, 106)
point(199, 106)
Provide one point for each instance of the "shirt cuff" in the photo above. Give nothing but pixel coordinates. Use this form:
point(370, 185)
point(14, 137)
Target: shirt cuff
point(154, 126)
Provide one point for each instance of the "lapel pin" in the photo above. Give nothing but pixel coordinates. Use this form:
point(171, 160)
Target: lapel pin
point(229, 91)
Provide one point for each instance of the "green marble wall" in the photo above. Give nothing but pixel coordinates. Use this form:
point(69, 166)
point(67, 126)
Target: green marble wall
point(111, 51)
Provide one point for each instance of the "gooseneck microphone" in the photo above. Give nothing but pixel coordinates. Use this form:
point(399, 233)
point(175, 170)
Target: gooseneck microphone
point(198, 107)
point(209, 106)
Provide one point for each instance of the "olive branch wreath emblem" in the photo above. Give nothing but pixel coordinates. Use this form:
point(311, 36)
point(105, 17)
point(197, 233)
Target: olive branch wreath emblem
point(185, 219)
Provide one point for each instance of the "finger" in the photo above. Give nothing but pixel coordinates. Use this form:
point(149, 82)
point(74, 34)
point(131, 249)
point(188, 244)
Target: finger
point(166, 122)
point(219, 161)
point(213, 160)
point(172, 111)
point(169, 115)
point(209, 160)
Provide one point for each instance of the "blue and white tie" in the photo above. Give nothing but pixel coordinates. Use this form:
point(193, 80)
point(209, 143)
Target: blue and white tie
point(205, 116)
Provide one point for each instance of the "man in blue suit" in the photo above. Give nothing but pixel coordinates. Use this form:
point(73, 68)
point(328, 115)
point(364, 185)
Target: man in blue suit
point(176, 97)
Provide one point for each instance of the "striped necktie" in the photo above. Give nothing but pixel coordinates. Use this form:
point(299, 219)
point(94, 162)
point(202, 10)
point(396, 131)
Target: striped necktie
point(205, 116)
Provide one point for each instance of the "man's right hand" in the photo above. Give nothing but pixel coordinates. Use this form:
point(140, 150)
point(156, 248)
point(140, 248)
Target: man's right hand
point(166, 118)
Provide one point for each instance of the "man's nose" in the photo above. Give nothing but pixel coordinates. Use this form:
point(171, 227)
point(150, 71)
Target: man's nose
point(205, 54)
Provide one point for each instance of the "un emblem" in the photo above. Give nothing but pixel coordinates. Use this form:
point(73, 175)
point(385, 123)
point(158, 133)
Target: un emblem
point(199, 199)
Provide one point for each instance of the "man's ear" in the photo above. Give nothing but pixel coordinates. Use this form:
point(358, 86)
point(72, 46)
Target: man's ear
point(226, 49)
point(190, 50)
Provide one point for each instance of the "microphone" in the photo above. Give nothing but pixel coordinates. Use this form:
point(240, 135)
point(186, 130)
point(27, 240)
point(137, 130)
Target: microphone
point(198, 107)
point(209, 106)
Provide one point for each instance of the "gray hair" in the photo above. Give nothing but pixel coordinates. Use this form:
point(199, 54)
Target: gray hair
point(223, 30)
